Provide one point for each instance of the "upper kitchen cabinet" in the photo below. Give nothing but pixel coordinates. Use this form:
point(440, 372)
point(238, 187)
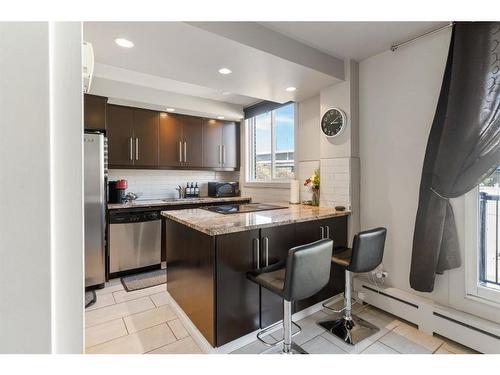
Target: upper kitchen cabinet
point(220, 144)
point(94, 108)
point(120, 136)
point(146, 138)
point(181, 141)
point(133, 137)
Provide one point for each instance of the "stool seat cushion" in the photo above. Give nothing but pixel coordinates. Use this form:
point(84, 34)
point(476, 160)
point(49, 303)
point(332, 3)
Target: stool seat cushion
point(342, 258)
point(271, 277)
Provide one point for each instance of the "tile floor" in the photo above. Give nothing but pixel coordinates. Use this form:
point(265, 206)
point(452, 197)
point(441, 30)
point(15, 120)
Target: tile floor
point(395, 337)
point(143, 322)
point(137, 322)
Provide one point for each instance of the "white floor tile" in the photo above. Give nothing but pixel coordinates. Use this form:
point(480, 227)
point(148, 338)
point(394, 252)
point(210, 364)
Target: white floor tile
point(320, 345)
point(160, 299)
point(149, 318)
point(178, 329)
point(104, 332)
point(379, 348)
point(136, 343)
point(118, 310)
point(184, 346)
point(123, 295)
point(102, 300)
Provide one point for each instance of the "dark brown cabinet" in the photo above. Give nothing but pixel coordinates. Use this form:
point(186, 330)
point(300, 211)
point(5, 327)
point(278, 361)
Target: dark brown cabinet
point(181, 141)
point(94, 112)
point(335, 229)
point(146, 138)
point(140, 138)
point(238, 310)
point(120, 134)
point(275, 243)
point(133, 137)
point(220, 144)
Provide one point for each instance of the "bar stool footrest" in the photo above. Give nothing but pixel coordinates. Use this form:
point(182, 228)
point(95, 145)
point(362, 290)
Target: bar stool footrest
point(271, 327)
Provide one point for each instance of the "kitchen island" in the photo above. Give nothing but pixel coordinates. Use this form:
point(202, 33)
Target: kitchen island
point(209, 254)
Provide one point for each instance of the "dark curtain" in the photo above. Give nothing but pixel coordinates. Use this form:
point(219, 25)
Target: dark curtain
point(463, 146)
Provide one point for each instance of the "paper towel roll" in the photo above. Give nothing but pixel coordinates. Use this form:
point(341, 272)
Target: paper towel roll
point(294, 191)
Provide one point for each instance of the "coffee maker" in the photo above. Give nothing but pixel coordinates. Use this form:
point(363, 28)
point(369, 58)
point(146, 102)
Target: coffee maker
point(117, 191)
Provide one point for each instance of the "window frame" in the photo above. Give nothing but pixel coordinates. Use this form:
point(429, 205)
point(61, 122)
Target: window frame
point(474, 290)
point(249, 152)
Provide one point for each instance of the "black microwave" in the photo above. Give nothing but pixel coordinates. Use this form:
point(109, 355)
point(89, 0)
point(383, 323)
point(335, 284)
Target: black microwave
point(223, 189)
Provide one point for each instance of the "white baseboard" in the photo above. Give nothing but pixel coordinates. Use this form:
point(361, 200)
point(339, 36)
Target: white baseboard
point(242, 341)
point(469, 330)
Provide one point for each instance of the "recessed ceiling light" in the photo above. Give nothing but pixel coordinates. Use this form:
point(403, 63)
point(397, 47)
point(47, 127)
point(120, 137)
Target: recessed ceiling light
point(225, 71)
point(220, 117)
point(170, 109)
point(226, 93)
point(124, 42)
point(290, 89)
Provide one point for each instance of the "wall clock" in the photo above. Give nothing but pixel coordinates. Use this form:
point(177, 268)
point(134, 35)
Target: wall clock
point(333, 122)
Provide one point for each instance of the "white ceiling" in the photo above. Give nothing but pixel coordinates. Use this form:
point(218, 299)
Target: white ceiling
point(354, 40)
point(188, 54)
point(184, 59)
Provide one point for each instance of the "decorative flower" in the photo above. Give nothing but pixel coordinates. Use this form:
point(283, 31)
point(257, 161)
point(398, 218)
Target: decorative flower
point(313, 181)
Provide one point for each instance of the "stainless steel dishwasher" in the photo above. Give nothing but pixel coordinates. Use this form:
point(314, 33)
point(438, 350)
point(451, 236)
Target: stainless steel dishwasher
point(134, 240)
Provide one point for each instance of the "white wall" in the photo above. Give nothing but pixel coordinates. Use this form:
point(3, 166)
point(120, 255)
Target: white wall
point(41, 249)
point(25, 310)
point(398, 97)
point(67, 187)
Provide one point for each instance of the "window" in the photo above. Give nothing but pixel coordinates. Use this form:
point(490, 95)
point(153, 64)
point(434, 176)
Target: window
point(489, 256)
point(482, 241)
point(271, 145)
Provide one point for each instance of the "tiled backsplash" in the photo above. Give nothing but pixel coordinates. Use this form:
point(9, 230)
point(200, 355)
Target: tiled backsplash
point(335, 182)
point(154, 184)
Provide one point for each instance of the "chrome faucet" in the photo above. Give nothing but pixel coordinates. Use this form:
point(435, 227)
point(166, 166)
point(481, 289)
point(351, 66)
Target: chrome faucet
point(180, 190)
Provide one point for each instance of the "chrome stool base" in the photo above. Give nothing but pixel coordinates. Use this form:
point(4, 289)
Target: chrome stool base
point(295, 349)
point(350, 331)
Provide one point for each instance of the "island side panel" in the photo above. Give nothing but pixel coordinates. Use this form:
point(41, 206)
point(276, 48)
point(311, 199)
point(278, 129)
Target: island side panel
point(191, 275)
point(238, 305)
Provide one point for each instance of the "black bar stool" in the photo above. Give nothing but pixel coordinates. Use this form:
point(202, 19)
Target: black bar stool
point(305, 272)
point(366, 254)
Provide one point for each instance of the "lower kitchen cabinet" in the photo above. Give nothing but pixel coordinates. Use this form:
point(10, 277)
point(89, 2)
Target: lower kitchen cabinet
point(335, 229)
point(238, 308)
point(274, 243)
point(207, 275)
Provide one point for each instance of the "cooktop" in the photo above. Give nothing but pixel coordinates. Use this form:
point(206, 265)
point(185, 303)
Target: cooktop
point(227, 209)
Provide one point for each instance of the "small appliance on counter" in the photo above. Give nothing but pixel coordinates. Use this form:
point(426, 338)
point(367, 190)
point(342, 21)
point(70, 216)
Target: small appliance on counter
point(223, 189)
point(117, 191)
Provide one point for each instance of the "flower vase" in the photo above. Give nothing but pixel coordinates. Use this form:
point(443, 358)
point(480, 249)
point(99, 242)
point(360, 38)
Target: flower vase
point(315, 197)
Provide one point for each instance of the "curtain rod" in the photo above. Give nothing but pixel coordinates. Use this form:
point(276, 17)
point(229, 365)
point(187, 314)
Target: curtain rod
point(394, 47)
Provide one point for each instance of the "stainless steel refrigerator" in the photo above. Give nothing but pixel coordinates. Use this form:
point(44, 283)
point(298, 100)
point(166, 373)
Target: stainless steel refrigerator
point(95, 201)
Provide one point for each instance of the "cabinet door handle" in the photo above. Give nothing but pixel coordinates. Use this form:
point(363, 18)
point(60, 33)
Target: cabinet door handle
point(180, 152)
point(223, 154)
point(219, 148)
point(256, 247)
point(266, 250)
point(130, 149)
point(185, 152)
point(327, 231)
point(322, 232)
point(137, 149)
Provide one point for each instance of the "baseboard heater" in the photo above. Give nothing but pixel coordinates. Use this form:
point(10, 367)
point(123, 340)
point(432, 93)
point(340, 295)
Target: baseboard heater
point(469, 330)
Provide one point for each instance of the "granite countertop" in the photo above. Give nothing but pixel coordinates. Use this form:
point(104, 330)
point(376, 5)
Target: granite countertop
point(173, 202)
point(214, 224)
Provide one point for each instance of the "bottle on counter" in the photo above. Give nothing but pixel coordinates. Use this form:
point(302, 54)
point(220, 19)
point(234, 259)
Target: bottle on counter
point(187, 189)
point(196, 190)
